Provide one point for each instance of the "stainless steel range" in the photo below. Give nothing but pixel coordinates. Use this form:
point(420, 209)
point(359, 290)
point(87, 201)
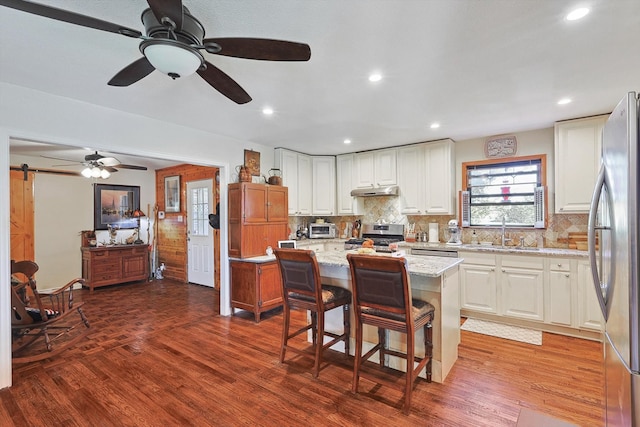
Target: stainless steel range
point(381, 234)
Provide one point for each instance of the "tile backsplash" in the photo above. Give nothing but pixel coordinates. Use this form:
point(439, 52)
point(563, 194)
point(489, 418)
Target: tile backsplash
point(387, 209)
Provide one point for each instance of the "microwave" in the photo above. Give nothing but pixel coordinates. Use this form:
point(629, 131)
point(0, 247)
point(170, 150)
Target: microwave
point(322, 231)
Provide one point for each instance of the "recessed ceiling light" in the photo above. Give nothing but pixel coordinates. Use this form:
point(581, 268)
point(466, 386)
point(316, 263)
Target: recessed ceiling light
point(267, 111)
point(347, 141)
point(375, 77)
point(577, 14)
point(564, 101)
point(435, 125)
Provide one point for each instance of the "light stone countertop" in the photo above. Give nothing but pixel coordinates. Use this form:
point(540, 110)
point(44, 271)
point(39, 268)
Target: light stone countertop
point(429, 266)
point(511, 250)
point(558, 252)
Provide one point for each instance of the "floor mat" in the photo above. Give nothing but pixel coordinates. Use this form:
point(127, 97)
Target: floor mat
point(499, 330)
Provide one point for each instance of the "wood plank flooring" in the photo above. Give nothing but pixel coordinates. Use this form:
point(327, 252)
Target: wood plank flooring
point(160, 354)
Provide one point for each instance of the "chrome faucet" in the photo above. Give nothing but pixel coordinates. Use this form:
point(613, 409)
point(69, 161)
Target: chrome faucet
point(504, 239)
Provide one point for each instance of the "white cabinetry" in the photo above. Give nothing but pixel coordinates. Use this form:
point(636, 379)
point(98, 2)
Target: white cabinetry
point(411, 179)
point(345, 173)
point(548, 293)
point(522, 287)
point(478, 284)
point(376, 168)
point(589, 313)
point(439, 177)
point(426, 177)
point(560, 303)
point(577, 161)
point(297, 176)
point(324, 185)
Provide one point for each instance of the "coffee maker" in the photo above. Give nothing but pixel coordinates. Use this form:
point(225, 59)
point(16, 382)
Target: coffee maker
point(454, 233)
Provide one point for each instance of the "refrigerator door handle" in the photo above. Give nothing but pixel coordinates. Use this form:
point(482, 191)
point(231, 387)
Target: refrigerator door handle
point(600, 283)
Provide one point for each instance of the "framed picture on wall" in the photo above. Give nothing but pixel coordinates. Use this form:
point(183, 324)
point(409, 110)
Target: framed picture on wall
point(172, 193)
point(252, 161)
point(114, 205)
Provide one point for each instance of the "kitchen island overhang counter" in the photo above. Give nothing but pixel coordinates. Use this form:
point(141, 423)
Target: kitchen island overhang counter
point(433, 279)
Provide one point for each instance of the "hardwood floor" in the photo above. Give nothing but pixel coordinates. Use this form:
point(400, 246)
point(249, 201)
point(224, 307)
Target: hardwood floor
point(160, 354)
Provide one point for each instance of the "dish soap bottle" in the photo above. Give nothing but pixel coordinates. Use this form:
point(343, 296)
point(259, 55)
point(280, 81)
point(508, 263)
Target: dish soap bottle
point(474, 238)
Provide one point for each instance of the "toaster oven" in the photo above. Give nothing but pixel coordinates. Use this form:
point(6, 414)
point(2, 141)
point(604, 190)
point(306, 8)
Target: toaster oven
point(322, 231)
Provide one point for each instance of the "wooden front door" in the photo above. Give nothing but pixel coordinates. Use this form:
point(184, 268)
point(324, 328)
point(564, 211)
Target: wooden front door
point(22, 213)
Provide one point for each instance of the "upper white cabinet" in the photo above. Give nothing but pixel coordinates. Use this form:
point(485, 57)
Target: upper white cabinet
point(578, 145)
point(345, 176)
point(296, 171)
point(411, 179)
point(426, 177)
point(324, 185)
point(376, 168)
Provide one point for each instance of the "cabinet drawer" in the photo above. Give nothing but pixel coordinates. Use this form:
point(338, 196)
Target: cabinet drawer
point(559, 264)
point(519, 261)
point(106, 267)
point(478, 258)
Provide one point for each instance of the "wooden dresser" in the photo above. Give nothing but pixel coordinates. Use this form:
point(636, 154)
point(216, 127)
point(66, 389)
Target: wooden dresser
point(111, 265)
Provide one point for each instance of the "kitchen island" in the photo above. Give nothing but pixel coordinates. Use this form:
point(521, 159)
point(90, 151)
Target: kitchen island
point(433, 279)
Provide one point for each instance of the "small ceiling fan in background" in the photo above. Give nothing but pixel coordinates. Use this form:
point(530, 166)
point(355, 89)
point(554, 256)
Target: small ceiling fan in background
point(97, 165)
point(172, 45)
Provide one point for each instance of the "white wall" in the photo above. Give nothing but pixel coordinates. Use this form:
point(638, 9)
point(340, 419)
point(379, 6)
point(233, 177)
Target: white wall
point(64, 207)
point(34, 115)
point(538, 141)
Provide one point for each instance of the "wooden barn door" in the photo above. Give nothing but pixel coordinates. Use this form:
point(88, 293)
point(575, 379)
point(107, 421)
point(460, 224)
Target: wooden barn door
point(21, 218)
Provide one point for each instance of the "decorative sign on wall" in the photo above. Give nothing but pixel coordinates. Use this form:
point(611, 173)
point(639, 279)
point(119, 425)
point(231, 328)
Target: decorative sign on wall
point(501, 146)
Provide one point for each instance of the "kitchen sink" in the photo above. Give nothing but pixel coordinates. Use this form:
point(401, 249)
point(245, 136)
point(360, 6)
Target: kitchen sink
point(520, 248)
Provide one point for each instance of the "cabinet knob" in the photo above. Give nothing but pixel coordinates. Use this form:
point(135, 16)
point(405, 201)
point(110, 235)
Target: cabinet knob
point(503, 270)
point(567, 275)
point(493, 269)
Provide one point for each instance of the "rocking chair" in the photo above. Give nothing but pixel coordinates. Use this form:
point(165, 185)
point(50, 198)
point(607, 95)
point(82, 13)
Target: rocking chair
point(47, 315)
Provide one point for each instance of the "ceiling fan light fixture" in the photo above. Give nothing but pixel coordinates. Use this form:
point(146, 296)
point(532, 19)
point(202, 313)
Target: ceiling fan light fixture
point(86, 172)
point(95, 173)
point(172, 58)
point(104, 174)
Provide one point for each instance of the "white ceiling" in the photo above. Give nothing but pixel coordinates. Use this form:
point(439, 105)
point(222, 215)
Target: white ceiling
point(479, 68)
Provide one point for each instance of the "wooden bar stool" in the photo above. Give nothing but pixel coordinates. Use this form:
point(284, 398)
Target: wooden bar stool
point(382, 298)
point(303, 290)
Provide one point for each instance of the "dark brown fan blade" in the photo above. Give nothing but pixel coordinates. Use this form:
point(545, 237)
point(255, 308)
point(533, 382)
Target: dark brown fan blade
point(70, 17)
point(132, 73)
point(224, 84)
point(171, 9)
point(134, 167)
point(110, 169)
point(262, 49)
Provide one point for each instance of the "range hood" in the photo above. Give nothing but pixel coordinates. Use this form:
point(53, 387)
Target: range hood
point(388, 190)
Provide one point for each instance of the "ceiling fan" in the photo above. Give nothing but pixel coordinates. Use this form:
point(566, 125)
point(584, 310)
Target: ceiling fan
point(99, 166)
point(172, 45)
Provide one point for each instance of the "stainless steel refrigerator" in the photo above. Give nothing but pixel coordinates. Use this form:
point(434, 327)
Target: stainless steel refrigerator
point(613, 250)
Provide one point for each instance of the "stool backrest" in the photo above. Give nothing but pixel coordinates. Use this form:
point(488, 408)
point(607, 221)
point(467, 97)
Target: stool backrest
point(380, 283)
point(300, 273)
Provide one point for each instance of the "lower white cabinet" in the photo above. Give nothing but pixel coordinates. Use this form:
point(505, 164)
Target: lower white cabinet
point(589, 313)
point(522, 287)
point(478, 285)
point(544, 290)
point(559, 303)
